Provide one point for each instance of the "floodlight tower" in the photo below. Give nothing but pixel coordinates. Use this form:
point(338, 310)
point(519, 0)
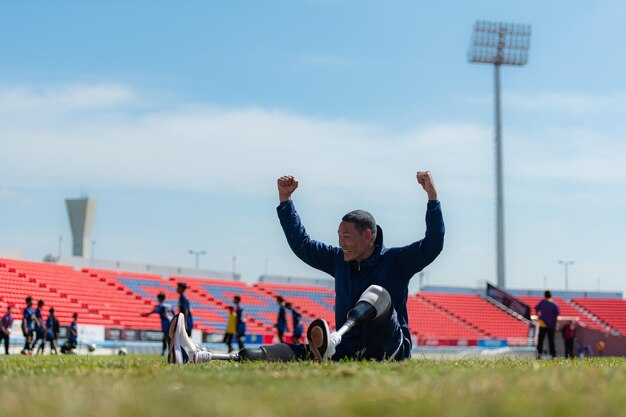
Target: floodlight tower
point(499, 44)
point(566, 264)
point(197, 254)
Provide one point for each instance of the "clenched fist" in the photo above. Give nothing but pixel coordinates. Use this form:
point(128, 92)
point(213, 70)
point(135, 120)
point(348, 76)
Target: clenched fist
point(287, 184)
point(426, 181)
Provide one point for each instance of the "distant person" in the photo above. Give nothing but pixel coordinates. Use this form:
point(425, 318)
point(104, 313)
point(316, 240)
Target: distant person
point(231, 328)
point(72, 338)
point(28, 326)
point(166, 314)
point(569, 334)
point(40, 329)
point(52, 331)
point(548, 313)
point(240, 333)
point(5, 328)
point(281, 319)
point(184, 307)
point(584, 351)
point(296, 323)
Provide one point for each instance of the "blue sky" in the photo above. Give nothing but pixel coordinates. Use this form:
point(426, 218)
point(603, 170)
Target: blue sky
point(178, 118)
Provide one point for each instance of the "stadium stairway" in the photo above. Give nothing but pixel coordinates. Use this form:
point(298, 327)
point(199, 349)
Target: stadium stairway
point(310, 301)
point(216, 295)
point(610, 311)
point(569, 310)
point(480, 315)
point(119, 302)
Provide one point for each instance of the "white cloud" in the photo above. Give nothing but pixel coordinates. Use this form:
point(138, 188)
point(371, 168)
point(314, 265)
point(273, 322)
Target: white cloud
point(9, 195)
point(30, 100)
point(566, 102)
point(574, 154)
point(202, 147)
point(89, 138)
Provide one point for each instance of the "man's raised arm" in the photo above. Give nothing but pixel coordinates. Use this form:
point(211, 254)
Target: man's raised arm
point(316, 254)
point(416, 256)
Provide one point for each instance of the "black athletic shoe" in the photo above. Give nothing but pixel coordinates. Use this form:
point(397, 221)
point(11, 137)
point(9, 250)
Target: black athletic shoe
point(319, 342)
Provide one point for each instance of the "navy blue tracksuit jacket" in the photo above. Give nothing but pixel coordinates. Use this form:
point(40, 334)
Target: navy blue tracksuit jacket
point(391, 268)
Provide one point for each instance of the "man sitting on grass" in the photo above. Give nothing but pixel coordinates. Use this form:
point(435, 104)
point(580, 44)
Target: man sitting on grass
point(371, 286)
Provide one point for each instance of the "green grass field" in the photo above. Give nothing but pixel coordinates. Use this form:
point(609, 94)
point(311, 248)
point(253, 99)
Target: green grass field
point(146, 386)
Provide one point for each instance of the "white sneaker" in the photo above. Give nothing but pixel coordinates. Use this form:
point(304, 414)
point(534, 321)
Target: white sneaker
point(181, 347)
point(321, 341)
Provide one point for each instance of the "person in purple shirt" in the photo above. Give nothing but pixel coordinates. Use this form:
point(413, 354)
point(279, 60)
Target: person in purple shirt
point(5, 328)
point(548, 313)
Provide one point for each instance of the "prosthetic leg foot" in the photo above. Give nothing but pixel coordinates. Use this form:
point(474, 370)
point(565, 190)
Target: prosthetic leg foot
point(374, 304)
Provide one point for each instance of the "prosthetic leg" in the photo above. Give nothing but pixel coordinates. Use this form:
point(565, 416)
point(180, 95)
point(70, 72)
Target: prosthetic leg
point(183, 350)
point(280, 352)
point(374, 304)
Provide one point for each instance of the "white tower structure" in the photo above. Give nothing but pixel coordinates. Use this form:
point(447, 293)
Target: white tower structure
point(81, 212)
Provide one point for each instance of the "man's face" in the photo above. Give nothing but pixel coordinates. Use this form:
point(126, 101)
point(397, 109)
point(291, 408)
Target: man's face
point(355, 245)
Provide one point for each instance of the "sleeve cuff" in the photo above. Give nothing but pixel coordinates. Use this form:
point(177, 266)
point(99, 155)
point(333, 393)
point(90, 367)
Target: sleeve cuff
point(433, 204)
point(284, 204)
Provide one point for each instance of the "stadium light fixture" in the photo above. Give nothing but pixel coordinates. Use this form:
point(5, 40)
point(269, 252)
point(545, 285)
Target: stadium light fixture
point(499, 44)
point(197, 254)
point(566, 264)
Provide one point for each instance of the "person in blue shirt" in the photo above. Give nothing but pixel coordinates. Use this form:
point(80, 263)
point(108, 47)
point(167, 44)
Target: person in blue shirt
point(361, 260)
point(184, 307)
point(166, 314)
point(73, 337)
point(240, 334)
point(548, 312)
point(281, 320)
point(296, 322)
point(28, 326)
point(52, 331)
point(40, 328)
point(371, 284)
